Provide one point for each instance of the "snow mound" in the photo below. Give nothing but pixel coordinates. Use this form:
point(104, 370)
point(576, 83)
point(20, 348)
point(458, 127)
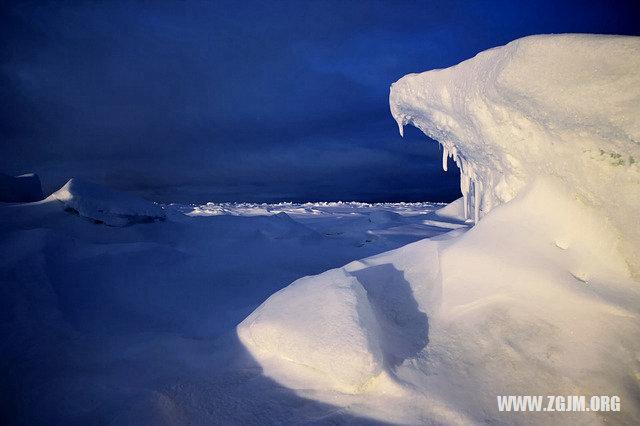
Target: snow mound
point(384, 217)
point(20, 189)
point(453, 210)
point(531, 301)
point(104, 205)
point(281, 225)
point(552, 105)
point(345, 353)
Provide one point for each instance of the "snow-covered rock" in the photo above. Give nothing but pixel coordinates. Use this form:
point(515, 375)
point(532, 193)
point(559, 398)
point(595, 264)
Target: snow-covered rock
point(104, 205)
point(20, 189)
point(554, 105)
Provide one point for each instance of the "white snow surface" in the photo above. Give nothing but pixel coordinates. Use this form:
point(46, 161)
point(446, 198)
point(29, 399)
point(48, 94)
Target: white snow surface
point(540, 297)
point(566, 106)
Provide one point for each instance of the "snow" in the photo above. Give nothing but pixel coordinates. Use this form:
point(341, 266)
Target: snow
point(117, 310)
point(461, 318)
point(560, 105)
point(136, 324)
point(105, 205)
point(346, 352)
point(540, 297)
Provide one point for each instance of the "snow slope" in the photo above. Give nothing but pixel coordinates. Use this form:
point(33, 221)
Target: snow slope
point(538, 298)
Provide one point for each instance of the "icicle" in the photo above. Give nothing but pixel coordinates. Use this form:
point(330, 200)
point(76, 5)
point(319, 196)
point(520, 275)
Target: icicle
point(464, 204)
point(464, 188)
point(477, 199)
point(487, 199)
point(445, 157)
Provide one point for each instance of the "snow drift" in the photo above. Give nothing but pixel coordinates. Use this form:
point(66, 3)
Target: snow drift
point(539, 298)
point(105, 205)
point(566, 106)
point(347, 353)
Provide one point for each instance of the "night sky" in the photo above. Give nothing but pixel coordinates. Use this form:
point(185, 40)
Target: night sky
point(255, 101)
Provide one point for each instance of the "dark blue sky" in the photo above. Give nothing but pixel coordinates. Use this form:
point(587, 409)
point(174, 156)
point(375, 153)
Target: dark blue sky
point(246, 100)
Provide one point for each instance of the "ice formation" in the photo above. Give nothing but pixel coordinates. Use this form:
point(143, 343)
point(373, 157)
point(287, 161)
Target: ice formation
point(566, 106)
point(538, 298)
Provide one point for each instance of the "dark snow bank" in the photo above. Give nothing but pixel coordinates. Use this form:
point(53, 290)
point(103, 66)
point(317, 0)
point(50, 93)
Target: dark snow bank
point(104, 205)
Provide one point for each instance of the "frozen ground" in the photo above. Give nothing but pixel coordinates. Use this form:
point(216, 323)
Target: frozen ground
point(110, 317)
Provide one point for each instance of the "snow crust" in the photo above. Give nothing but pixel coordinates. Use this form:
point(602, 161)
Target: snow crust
point(105, 205)
point(553, 105)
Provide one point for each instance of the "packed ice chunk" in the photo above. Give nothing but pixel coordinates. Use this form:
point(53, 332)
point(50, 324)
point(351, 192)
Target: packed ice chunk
point(20, 189)
point(550, 105)
point(104, 205)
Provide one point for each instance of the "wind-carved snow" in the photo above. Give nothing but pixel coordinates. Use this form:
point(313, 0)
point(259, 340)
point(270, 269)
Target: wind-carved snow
point(566, 106)
point(540, 297)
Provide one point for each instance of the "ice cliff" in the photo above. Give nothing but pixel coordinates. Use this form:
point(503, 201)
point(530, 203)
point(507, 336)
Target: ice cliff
point(563, 106)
